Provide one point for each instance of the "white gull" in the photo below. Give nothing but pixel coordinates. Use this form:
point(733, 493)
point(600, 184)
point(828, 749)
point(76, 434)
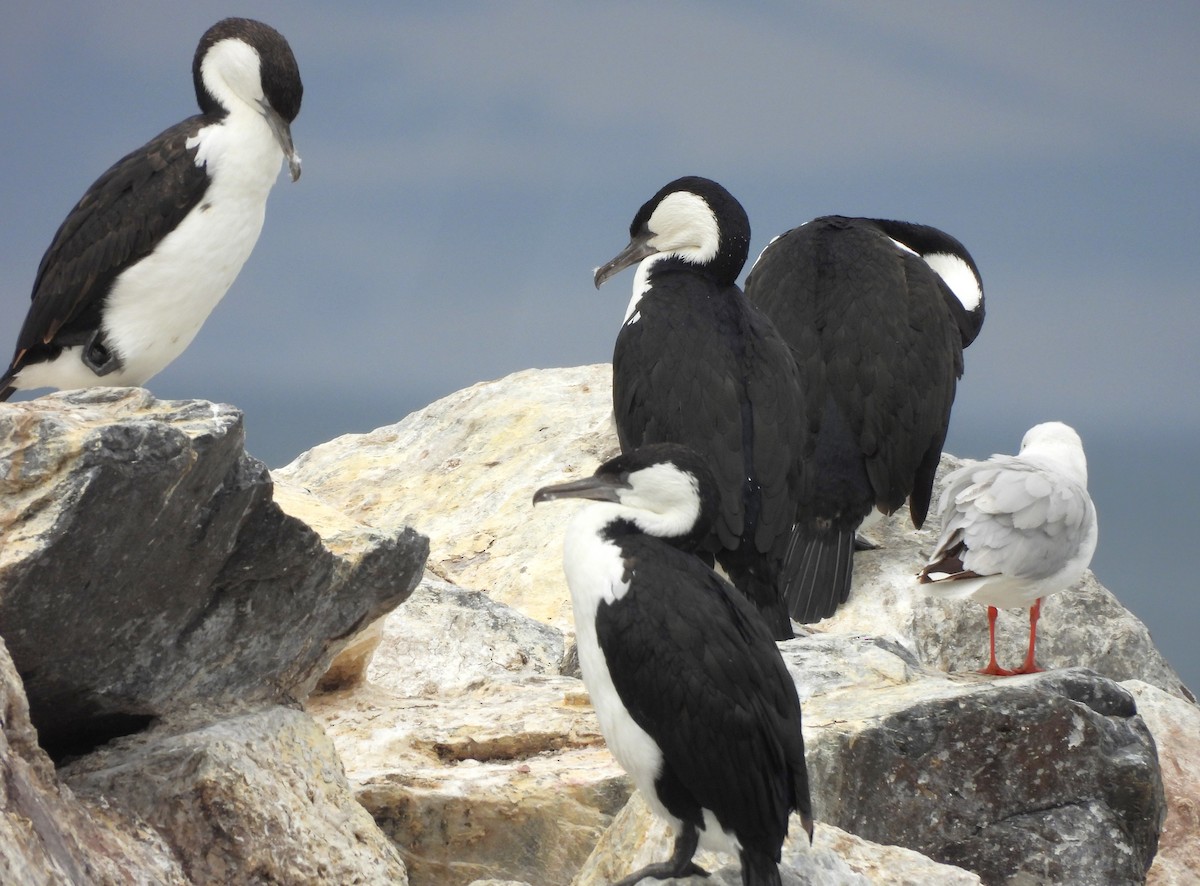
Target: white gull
point(1015, 529)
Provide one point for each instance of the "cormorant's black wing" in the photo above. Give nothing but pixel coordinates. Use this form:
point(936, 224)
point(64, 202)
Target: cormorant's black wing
point(697, 669)
point(879, 357)
point(120, 219)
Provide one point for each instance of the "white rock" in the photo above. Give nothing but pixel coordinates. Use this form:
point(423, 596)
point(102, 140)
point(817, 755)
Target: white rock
point(463, 472)
point(445, 637)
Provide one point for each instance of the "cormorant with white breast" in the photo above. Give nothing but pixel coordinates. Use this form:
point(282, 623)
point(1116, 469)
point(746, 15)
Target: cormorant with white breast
point(692, 695)
point(877, 313)
point(1015, 528)
point(146, 254)
point(695, 363)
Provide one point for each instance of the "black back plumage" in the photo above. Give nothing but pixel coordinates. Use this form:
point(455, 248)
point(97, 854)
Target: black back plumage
point(877, 337)
point(697, 364)
point(139, 200)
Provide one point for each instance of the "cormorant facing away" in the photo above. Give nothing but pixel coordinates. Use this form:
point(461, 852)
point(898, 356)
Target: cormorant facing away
point(695, 363)
point(1015, 529)
point(693, 697)
point(146, 254)
point(877, 314)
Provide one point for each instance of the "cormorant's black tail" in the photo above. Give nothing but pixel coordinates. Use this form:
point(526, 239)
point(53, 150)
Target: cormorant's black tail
point(758, 869)
point(817, 573)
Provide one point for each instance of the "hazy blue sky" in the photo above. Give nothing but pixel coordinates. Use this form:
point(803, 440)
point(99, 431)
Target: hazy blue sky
point(467, 165)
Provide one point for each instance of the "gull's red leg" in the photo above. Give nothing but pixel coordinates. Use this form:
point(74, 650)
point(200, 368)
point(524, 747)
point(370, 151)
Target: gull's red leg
point(1030, 666)
point(993, 668)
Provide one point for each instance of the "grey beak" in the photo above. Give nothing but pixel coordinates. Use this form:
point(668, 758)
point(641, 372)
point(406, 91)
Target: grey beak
point(592, 488)
point(283, 134)
point(637, 250)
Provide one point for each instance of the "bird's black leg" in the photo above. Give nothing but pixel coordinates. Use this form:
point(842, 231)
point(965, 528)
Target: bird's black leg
point(680, 863)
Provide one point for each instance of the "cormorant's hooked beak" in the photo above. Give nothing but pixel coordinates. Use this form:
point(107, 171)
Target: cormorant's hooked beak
point(594, 488)
point(639, 248)
point(283, 134)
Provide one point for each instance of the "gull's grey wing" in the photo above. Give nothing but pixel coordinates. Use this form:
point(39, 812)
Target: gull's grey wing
point(1014, 518)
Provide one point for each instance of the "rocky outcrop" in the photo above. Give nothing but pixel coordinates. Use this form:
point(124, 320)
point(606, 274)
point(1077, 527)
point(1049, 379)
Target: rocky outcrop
point(872, 678)
point(47, 836)
point(466, 735)
point(156, 584)
point(139, 536)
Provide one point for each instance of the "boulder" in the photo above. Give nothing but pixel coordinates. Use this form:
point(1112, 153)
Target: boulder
point(47, 835)
point(1049, 778)
point(138, 535)
point(243, 796)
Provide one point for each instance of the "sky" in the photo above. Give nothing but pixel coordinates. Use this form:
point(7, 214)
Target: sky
point(467, 166)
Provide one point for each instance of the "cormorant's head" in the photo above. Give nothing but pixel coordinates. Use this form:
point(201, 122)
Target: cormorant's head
point(243, 61)
point(663, 489)
point(693, 219)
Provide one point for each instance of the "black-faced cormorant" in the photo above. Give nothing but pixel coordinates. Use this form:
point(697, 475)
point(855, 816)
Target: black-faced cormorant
point(146, 254)
point(695, 363)
point(693, 697)
point(877, 314)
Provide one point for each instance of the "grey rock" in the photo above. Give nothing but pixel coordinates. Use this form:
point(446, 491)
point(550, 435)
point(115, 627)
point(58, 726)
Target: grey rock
point(1048, 779)
point(243, 796)
point(139, 536)
point(47, 835)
